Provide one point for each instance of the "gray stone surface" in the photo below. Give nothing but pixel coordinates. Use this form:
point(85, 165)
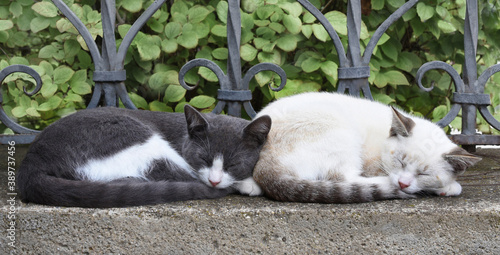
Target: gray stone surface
point(469, 224)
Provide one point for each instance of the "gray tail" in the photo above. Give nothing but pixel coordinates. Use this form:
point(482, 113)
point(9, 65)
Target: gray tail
point(50, 190)
point(291, 189)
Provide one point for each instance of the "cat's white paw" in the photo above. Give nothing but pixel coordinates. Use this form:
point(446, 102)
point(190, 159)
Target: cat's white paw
point(249, 187)
point(453, 189)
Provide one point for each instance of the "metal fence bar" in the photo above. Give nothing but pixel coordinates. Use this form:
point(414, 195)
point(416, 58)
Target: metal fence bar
point(469, 90)
point(234, 93)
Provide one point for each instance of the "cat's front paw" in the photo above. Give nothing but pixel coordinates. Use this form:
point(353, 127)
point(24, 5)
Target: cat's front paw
point(451, 190)
point(249, 187)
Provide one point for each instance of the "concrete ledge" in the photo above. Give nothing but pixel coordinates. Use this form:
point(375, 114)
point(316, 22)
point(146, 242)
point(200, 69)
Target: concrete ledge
point(469, 224)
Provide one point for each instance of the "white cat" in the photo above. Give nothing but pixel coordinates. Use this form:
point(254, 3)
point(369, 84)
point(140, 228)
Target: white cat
point(333, 148)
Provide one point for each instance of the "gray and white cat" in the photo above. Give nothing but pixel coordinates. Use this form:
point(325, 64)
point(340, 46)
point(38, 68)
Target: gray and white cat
point(333, 148)
point(112, 157)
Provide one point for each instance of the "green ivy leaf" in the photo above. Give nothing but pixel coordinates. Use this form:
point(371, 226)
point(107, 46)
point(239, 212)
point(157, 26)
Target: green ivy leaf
point(277, 27)
point(155, 25)
point(377, 4)
point(159, 107)
point(330, 68)
point(18, 111)
point(31, 111)
point(188, 39)
point(71, 48)
point(404, 62)
point(396, 3)
point(338, 21)
point(273, 57)
point(320, 32)
point(46, 9)
point(63, 74)
point(202, 101)
point(294, 9)
point(219, 30)
point(81, 87)
point(16, 9)
point(221, 10)
point(383, 98)
point(248, 52)
point(72, 97)
point(47, 52)
point(138, 101)
point(446, 27)
point(51, 104)
point(439, 112)
point(197, 14)
point(424, 11)
point(179, 7)
point(310, 65)
point(287, 43)
point(132, 5)
point(6, 25)
point(174, 93)
point(148, 48)
point(48, 88)
point(396, 78)
point(169, 46)
point(390, 50)
point(307, 31)
point(78, 83)
point(292, 24)
point(220, 53)
point(207, 74)
point(160, 80)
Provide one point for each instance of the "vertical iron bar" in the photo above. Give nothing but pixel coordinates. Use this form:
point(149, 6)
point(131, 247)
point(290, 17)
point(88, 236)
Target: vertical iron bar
point(469, 111)
point(233, 47)
point(108, 14)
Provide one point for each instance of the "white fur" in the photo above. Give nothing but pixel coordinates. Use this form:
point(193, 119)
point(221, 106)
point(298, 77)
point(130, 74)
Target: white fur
point(249, 187)
point(320, 135)
point(134, 161)
point(215, 174)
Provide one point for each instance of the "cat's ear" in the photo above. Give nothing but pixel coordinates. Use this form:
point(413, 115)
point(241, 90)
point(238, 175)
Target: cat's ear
point(258, 129)
point(401, 125)
point(196, 123)
point(460, 159)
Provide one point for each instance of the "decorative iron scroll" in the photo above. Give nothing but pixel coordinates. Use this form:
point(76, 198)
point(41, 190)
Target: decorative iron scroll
point(25, 135)
point(109, 75)
point(354, 70)
point(469, 90)
point(234, 90)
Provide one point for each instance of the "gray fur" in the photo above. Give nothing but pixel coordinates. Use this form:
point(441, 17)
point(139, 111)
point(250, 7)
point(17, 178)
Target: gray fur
point(47, 174)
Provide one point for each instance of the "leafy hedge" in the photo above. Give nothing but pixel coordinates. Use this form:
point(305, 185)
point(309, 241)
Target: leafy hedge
point(276, 31)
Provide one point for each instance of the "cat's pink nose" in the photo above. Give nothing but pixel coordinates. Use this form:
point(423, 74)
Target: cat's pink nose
point(403, 185)
point(214, 183)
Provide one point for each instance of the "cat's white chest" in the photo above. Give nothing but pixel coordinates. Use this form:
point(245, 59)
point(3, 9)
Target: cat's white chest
point(134, 161)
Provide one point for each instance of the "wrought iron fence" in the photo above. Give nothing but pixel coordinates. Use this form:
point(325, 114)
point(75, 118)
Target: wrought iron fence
point(234, 93)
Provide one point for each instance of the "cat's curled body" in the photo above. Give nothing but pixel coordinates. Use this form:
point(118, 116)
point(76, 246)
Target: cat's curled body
point(112, 157)
point(334, 148)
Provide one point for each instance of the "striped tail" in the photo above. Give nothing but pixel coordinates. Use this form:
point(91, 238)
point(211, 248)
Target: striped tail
point(292, 189)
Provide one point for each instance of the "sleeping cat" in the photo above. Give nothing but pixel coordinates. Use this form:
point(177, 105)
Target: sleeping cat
point(112, 157)
point(334, 148)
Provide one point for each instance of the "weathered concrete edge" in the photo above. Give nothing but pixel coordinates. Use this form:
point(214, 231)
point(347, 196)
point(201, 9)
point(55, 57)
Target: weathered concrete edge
point(253, 225)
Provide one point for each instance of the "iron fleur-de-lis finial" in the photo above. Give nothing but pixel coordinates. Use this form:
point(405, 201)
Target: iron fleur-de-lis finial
point(109, 74)
point(469, 90)
point(233, 91)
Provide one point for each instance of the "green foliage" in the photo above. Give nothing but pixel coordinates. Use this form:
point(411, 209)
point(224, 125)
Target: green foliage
point(276, 31)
